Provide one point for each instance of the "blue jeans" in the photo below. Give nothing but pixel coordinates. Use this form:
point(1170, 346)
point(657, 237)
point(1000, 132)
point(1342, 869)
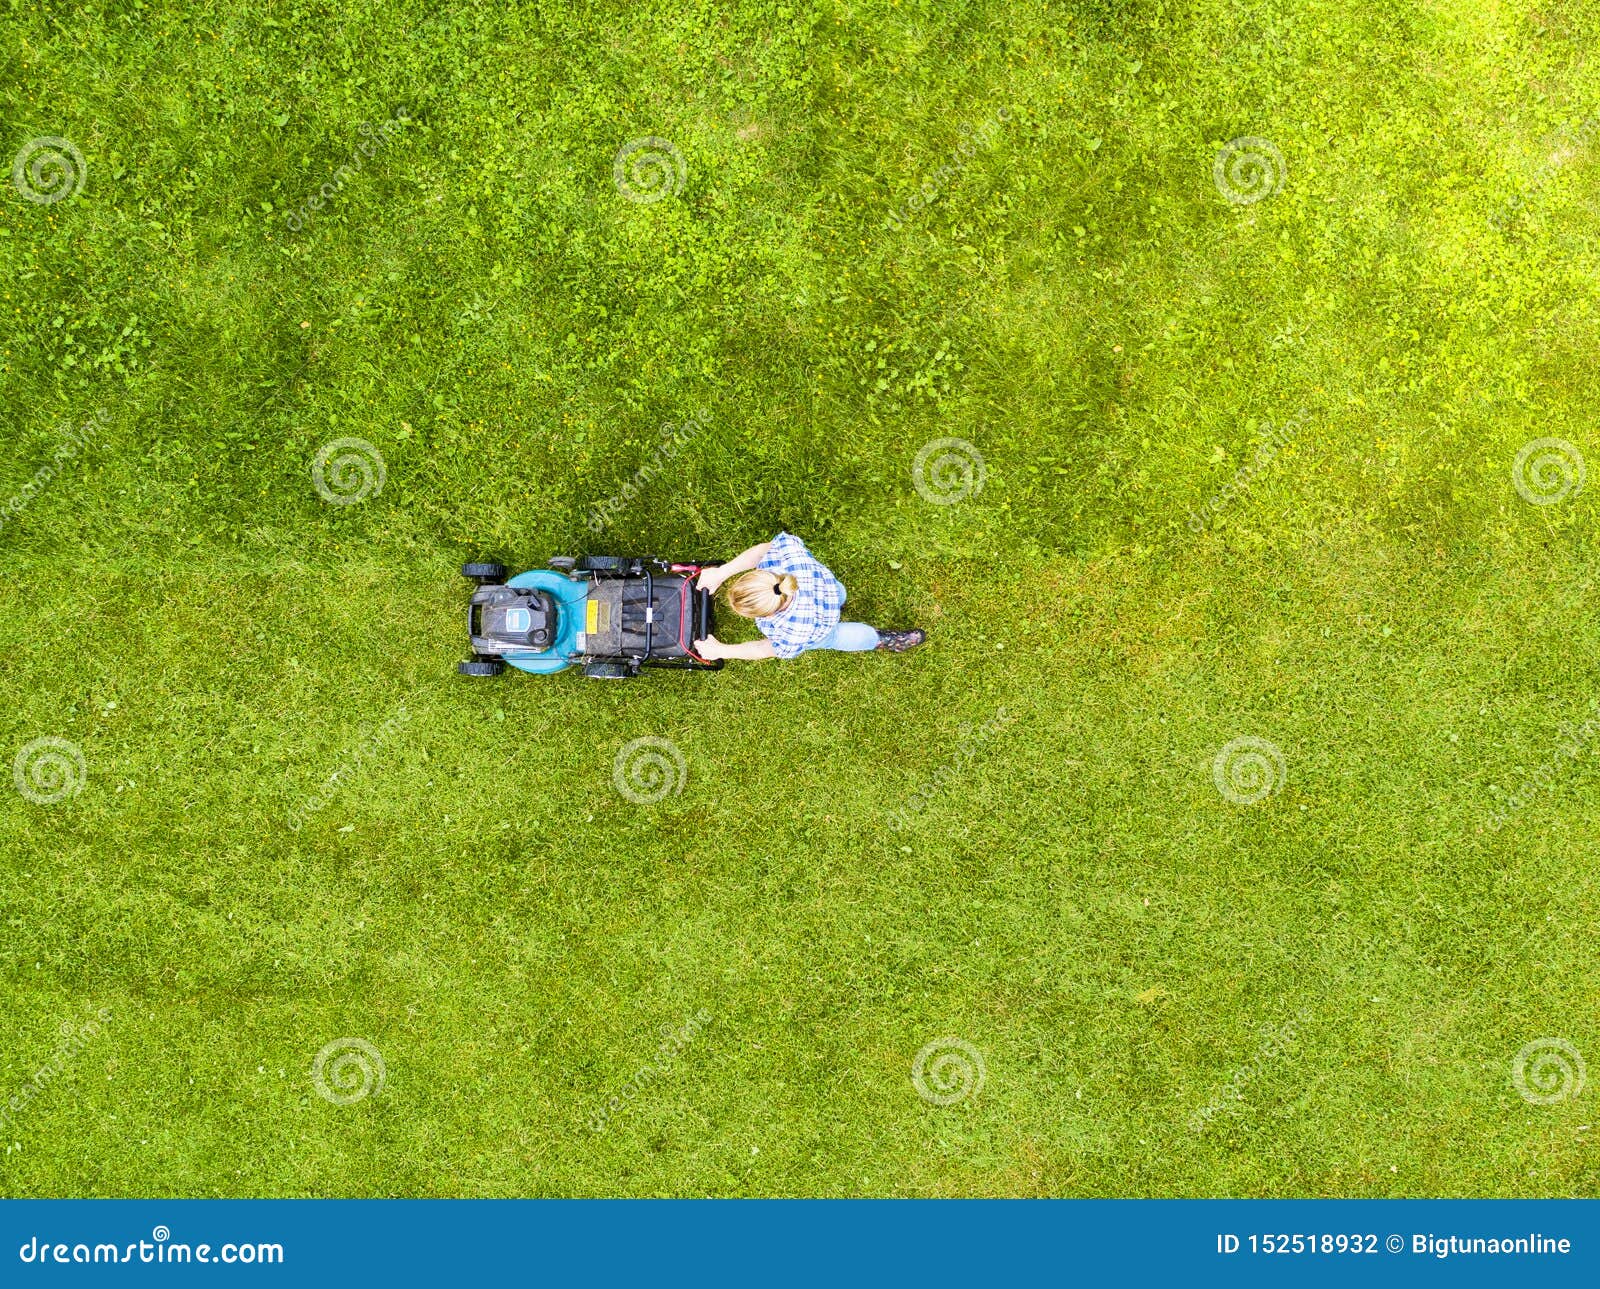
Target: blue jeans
point(850, 637)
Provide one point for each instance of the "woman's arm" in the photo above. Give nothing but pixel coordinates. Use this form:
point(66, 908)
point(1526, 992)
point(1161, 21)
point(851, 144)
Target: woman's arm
point(748, 650)
point(711, 578)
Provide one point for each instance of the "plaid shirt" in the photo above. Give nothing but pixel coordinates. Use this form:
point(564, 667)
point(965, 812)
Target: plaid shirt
point(814, 609)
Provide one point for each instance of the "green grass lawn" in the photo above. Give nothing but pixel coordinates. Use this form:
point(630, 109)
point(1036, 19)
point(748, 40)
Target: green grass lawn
point(286, 822)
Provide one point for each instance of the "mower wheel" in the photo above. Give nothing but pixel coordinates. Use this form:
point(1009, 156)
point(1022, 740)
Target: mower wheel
point(601, 564)
point(563, 563)
point(607, 670)
point(484, 573)
point(481, 667)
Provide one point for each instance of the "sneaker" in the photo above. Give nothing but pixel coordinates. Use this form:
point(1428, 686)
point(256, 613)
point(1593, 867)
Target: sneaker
point(900, 641)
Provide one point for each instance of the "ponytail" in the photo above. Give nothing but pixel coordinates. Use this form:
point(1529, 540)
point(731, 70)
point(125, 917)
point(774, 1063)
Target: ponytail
point(760, 593)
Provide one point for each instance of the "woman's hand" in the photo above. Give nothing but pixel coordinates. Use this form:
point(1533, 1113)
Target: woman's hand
point(711, 578)
point(712, 649)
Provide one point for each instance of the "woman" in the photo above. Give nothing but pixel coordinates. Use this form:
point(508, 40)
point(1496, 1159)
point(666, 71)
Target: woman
point(795, 602)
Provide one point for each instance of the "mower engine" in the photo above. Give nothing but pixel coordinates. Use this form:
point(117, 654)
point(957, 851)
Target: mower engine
point(511, 619)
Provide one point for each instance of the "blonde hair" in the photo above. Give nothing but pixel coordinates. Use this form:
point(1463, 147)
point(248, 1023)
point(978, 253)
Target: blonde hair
point(760, 593)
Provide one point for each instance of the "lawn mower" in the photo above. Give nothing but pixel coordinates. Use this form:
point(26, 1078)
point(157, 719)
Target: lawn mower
point(610, 614)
